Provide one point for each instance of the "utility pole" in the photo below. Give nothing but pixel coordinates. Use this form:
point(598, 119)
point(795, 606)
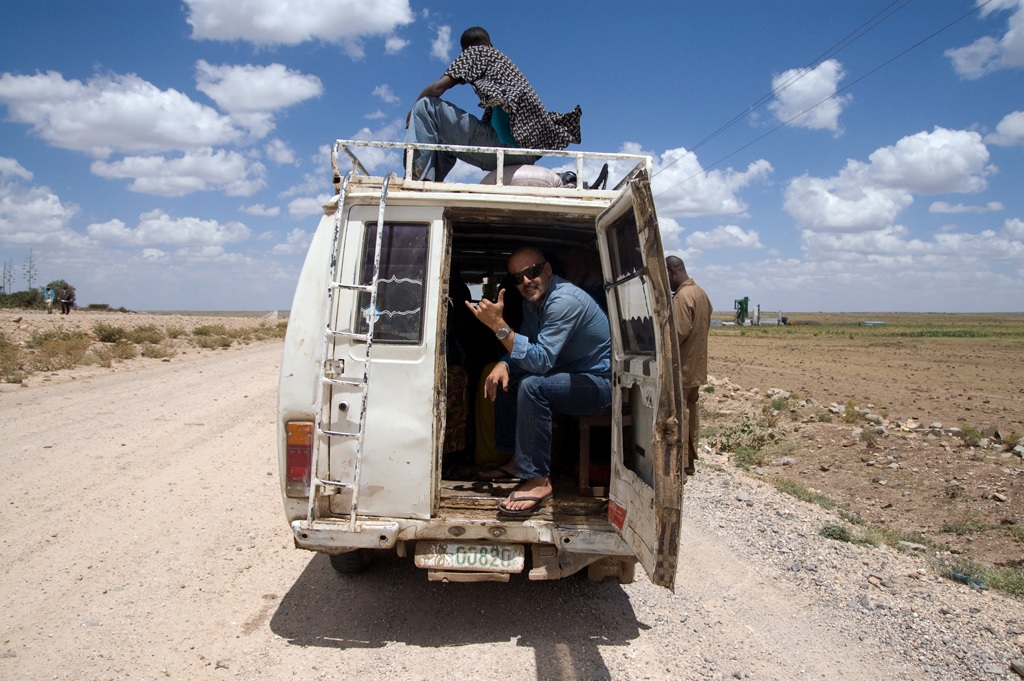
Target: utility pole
point(30, 268)
point(7, 280)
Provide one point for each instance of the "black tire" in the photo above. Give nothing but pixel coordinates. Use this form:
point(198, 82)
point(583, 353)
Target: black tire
point(350, 563)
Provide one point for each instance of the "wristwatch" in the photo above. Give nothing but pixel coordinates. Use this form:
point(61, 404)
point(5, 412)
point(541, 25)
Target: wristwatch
point(503, 333)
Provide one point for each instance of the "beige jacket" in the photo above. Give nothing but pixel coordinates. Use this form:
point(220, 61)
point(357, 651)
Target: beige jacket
point(691, 310)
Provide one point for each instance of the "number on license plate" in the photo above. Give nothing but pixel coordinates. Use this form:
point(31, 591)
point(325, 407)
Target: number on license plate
point(470, 557)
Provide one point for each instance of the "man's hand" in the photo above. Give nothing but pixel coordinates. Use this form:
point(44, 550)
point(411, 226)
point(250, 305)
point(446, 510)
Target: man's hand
point(490, 314)
point(497, 377)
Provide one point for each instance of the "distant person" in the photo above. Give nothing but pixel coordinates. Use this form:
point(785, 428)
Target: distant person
point(691, 310)
point(513, 117)
point(67, 299)
point(48, 298)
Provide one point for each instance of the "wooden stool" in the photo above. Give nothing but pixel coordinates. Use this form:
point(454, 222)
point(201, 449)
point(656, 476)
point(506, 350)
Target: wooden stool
point(585, 424)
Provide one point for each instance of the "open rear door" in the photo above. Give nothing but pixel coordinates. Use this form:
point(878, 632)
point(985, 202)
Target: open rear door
point(646, 494)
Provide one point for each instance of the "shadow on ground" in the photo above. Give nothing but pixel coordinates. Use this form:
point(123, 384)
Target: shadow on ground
point(564, 621)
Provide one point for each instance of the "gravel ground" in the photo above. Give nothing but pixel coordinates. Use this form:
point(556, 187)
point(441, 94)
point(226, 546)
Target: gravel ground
point(940, 628)
point(142, 536)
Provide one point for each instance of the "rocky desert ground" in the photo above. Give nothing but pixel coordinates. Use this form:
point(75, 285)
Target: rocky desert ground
point(141, 534)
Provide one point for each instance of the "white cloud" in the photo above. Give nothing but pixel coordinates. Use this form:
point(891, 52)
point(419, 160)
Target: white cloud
point(292, 22)
point(1009, 132)
point(203, 170)
point(683, 189)
point(157, 228)
point(385, 93)
point(870, 196)
point(9, 167)
point(296, 242)
point(891, 245)
point(1014, 228)
point(843, 203)
point(375, 116)
point(259, 210)
point(944, 207)
point(441, 46)
point(394, 44)
point(249, 89)
point(933, 162)
point(725, 236)
point(279, 152)
point(308, 206)
point(991, 53)
point(113, 114)
point(800, 90)
point(31, 215)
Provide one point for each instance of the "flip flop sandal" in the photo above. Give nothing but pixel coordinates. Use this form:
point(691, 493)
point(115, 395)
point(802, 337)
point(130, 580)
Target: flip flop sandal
point(538, 502)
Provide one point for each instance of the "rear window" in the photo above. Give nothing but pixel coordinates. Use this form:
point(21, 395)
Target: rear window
point(628, 286)
point(400, 291)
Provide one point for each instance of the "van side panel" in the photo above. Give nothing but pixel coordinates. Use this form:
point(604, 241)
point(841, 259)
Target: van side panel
point(303, 345)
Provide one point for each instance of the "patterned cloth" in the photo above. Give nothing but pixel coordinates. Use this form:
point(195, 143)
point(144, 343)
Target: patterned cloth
point(499, 82)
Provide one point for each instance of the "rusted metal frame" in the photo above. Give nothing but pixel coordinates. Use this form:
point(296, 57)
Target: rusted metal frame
point(643, 163)
point(440, 419)
point(668, 489)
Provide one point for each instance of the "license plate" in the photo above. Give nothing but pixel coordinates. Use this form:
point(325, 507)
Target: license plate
point(470, 557)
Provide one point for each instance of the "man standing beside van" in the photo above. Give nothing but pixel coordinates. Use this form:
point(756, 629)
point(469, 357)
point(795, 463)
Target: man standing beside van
point(691, 310)
point(513, 115)
point(559, 362)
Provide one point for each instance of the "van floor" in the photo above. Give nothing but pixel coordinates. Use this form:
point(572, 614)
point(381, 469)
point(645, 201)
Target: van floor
point(479, 500)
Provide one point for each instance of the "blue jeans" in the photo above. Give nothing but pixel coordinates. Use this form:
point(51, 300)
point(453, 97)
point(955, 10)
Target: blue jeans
point(523, 414)
point(435, 121)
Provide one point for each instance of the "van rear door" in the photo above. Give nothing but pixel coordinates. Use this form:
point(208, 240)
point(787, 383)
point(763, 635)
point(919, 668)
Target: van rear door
point(646, 491)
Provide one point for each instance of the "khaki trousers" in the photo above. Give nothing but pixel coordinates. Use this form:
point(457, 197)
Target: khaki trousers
point(691, 427)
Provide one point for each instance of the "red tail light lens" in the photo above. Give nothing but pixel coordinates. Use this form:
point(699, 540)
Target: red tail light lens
point(298, 458)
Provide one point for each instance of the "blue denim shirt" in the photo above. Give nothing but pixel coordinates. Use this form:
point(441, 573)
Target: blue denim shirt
point(568, 333)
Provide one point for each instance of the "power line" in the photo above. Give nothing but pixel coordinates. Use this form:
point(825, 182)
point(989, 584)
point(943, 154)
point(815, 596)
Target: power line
point(822, 101)
point(850, 38)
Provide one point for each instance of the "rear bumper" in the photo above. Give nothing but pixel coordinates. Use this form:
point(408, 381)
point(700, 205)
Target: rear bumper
point(595, 536)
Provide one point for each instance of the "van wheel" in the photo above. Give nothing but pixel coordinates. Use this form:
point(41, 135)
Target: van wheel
point(350, 562)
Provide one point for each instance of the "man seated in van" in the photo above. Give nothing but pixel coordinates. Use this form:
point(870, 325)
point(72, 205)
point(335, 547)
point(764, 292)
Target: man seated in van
point(513, 117)
point(558, 362)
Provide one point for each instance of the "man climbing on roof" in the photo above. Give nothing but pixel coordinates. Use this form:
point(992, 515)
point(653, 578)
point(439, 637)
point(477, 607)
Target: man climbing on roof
point(514, 116)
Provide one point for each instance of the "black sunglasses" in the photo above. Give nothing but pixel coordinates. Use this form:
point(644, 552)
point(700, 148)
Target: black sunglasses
point(531, 272)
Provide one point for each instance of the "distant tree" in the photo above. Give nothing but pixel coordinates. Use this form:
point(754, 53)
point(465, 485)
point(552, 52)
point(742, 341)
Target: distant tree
point(30, 268)
point(7, 280)
point(58, 284)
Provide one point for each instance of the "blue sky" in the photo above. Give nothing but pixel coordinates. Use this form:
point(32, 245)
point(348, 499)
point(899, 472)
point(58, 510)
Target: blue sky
point(171, 154)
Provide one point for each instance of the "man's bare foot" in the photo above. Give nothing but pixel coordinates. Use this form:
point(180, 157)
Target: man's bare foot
point(527, 496)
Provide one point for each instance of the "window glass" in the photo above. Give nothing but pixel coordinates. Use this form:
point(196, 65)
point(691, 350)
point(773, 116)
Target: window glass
point(629, 287)
point(400, 291)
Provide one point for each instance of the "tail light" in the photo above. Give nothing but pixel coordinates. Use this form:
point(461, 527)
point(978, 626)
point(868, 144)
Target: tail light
point(298, 458)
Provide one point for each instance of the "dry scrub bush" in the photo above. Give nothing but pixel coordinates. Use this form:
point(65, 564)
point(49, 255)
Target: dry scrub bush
point(12, 361)
point(163, 350)
point(58, 349)
point(120, 351)
point(109, 333)
point(146, 333)
point(212, 342)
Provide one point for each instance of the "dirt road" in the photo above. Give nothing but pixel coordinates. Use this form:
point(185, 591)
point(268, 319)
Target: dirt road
point(142, 537)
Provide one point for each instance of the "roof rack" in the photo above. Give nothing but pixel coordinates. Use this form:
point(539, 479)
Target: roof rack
point(639, 161)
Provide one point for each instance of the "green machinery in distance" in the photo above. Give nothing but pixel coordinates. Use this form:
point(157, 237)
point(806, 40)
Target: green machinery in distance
point(741, 310)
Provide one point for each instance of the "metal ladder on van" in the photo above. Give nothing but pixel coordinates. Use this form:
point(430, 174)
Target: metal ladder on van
point(323, 435)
